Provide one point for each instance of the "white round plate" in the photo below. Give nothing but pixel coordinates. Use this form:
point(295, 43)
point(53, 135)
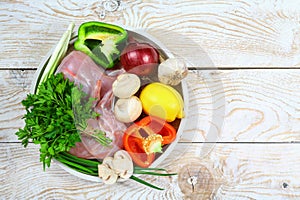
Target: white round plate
point(143, 36)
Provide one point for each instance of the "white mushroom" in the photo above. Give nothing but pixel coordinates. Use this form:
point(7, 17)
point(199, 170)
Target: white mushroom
point(123, 155)
point(108, 175)
point(124, 168)
point(126, 85)
point(122, 164)
point(112, 168)
point(172, 71)
point(108, 162)
point(128, 110)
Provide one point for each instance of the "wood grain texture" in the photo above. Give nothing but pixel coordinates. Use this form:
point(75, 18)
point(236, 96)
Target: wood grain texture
point(224, 106)
point(244, 106)
point(240, 121)
point(234, 171)
point(223, 33)
point(14, 86)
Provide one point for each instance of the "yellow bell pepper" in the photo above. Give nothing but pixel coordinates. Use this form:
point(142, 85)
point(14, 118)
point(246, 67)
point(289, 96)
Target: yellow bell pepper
point(162, 101)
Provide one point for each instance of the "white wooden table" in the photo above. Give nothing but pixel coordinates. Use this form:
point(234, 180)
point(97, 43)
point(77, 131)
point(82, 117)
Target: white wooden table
point(244, 85)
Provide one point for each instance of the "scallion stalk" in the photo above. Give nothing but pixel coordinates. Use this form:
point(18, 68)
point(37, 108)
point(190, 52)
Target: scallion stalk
point(82, 161)
point(74, 165)
point(58, 53)
point(154, 173)
point(90, 167)
point(145, 183)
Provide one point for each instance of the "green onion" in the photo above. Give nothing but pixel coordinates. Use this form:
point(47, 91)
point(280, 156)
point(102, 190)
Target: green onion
point(77, 160)
point(149, 169)
point(74, 165)
point(58, 53)
point(153, 173)
point(84, 171)
point(145, 183)
point(90, 167)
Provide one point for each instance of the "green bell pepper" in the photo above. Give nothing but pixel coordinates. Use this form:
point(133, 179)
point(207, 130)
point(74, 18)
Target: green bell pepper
point(101, 41)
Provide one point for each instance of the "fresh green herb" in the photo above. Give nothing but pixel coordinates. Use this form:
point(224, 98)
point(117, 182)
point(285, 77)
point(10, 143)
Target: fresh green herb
point(56, 116)
point(90, 167)
point(82, 111)
point(58, 53)
point(145, 183)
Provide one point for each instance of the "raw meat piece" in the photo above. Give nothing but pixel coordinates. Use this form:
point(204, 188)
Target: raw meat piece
point(97, 83)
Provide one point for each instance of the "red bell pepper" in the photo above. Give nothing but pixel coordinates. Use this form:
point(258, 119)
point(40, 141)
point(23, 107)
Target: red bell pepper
point(142, 139)
point(159, 126)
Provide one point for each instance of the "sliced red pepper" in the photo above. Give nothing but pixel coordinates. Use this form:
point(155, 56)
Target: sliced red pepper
point(161, 127)
point(133, 144)
point(137, 133)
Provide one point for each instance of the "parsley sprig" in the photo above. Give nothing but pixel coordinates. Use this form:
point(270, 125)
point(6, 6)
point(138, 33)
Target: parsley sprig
point(82, 111)
point(56, 116)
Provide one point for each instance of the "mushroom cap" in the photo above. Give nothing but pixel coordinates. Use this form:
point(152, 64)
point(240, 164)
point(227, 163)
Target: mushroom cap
point(108, 162)
point(122, 154)
point(126, 85)
point(128, 110)
point(112, 168)
point(124, 168)
point(107, 175)
point(122, 164)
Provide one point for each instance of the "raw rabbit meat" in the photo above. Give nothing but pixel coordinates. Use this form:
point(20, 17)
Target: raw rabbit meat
point(97, 83)
point(81, 69)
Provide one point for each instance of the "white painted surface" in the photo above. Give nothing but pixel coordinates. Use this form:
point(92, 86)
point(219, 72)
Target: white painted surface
point(254, 110)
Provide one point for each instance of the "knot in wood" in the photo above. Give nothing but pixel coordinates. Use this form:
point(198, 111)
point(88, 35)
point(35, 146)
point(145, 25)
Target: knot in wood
point(196, 180)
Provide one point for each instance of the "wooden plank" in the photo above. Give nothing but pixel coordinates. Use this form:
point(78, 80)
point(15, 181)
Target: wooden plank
point(228, 171)
point(14, 86)
point(244, 106)
point(208, 33)
point(224, 106)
